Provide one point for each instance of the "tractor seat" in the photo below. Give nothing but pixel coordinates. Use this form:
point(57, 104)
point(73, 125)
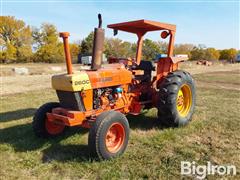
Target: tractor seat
point(145, 66)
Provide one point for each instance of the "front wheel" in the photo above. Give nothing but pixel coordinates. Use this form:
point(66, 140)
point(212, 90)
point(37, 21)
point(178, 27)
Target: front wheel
point(41, 126)
point(176, 99)
point(108, 137)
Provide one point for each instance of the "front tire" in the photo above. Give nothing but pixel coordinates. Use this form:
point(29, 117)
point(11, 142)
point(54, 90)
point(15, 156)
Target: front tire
point(176, 99)
point(108, 137)
point(41, 126)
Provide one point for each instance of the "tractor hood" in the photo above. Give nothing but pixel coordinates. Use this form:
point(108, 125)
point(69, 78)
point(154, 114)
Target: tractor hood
point(110, 75)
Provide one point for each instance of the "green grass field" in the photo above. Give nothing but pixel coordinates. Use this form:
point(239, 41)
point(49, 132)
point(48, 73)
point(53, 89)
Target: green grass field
point(153, 152)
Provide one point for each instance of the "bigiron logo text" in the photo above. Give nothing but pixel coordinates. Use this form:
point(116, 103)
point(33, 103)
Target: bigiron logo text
point(201, 171)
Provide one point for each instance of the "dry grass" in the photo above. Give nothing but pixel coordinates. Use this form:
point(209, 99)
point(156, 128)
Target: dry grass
point(41, 75)
point(153, 152)
point(34, 68)
point(221, 80)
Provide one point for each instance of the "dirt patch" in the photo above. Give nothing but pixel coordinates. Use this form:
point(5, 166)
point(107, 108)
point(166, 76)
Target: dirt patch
point(18, 84)
point(222, 79)
point(192, 68)
point(36, 68)
point(216, 85)
point(39, 77)
point(236, 72)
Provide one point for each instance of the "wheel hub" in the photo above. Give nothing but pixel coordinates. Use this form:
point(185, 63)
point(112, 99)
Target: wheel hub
point(115, 137)
point(184, 100)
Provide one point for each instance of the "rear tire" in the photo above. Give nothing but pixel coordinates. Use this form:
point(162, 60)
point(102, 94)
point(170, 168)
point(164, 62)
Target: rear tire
point(176, 99)
point(108, 136)
point(41, 126)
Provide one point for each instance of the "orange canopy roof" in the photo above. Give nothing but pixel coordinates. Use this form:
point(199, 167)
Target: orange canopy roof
point(142, 26)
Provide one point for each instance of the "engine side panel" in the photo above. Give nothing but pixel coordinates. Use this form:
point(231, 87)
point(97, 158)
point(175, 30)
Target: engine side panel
point(109, 77)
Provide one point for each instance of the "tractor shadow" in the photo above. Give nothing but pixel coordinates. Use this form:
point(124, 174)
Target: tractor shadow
point(65, 153)
point(17, 114)
point(144, 122)
point(22, 139)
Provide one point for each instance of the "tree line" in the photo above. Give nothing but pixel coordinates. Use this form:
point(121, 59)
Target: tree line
point(20, 42)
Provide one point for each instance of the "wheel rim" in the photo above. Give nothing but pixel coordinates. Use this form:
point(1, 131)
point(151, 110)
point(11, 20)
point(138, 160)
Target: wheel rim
point(115, 137)
point(184, 100)
point(53, 128)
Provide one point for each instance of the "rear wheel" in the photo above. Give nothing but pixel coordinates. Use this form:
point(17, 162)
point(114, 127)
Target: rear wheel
point(176, 99)
point(108, 137)
point(41, 126)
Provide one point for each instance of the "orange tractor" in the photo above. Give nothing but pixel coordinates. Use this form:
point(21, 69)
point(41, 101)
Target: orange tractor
point(99, 98)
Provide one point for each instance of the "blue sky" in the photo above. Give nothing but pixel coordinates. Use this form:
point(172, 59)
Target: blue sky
point(213, 23)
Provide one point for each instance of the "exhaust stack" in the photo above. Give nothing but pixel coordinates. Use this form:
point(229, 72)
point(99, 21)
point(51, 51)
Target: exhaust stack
point(65, 36)
point(98, 45)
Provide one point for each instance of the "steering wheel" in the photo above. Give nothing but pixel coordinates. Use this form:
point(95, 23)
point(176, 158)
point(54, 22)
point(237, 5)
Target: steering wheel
point(133, 63)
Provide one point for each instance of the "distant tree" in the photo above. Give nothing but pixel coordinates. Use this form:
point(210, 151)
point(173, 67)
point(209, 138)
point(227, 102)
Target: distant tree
point(20, 43)
point(224, 54)
point(11, 53)
point(87, 44)
point(74, 49)
point(183, 48)
point(117, 48)
point(150, 49)
point(211, 54)
point(128, 49)
point(24, 54)
point(163, 46)
point(37, 37)
point(197, 53)
point(200, 53)
point(228, 54)
point(16, 35)
point(49, 49)
point(232, 53)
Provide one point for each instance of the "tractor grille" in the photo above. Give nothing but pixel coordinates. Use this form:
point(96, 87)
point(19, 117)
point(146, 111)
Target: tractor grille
point(71, 100)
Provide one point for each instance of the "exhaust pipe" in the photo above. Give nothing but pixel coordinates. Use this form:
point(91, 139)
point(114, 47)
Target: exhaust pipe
point(65, 36)
point(98, 45)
